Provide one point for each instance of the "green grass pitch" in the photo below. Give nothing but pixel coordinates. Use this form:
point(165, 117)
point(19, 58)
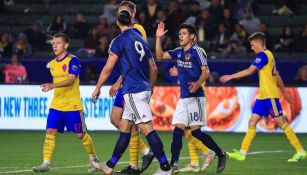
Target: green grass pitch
point(20, 150)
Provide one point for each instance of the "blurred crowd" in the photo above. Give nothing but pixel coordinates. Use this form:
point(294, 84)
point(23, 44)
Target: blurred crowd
point(223, 27)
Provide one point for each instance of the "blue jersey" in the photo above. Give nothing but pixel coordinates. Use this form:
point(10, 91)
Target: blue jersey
point(189, 65)
point(134, 54)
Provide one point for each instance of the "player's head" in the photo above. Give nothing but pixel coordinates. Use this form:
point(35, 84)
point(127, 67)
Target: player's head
point(187, 34)
point(60, 43)
point(129, 6)
point(257, 41)
point(124, 18)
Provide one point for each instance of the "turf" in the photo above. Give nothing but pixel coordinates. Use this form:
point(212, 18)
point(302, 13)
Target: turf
point(20, 150)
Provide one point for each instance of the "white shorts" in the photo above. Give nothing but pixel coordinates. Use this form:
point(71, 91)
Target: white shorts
point(190, 111)
point(137, 107)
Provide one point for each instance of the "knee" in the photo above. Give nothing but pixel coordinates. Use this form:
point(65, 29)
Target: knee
point(51, 131)
point(252, 123)
point(80, 135)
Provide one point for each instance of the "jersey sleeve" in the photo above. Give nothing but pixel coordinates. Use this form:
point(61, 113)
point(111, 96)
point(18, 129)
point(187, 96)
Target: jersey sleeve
point(115, 47)
point(74, 66)
point(261, 60)
point(173, 53)
point(201, 56)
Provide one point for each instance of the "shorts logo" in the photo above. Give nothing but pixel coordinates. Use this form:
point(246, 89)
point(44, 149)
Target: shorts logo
point(187, 57)
point(64, 67)
point(144, 116)
point(75, 106)
point(74, 68)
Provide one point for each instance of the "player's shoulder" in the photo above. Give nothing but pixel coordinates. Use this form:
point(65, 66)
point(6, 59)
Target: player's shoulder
point(199, 50)
point(117, 39)
point(177, 49)
point(263, 54)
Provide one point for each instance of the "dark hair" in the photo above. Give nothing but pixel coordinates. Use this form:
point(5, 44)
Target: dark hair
point(124, 18)
point(190, 27)
point(130, 5)
point(63, 36)
point(257, 36)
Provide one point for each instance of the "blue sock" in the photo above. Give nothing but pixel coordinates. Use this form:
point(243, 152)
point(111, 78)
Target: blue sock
point(156, 146)
point(208, 141)
point(176, 145)
point(120, 147)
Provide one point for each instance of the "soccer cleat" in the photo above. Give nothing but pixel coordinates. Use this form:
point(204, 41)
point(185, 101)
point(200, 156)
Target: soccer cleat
point(190, 168)
point(236, 155)
point(174, 169)
point(208, 158)
point(147, 159)
point(221, 164)
point(45, 167)
point(91, 168)
point(128, 170)
point(161, 172)
point(103, 167)
point(298, 156)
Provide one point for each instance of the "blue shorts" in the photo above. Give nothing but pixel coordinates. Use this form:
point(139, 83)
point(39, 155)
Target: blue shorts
point(119, 99)
point(268, 106)
point(72, 120)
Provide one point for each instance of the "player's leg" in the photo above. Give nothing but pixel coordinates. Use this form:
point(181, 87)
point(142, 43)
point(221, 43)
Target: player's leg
point(259, 110)
point(75, 122)
point(180, 121)
point(132, 168)
point(117, 109)
point(138, 104)
point(120, 147)
point(196, 112)
point(247, 141)
point(137, 145)
point(194, 145)
point(53, 125)
point(276, 112)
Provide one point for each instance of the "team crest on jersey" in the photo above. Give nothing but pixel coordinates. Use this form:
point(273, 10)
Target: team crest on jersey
point(257, 60)
point(187, 57)
point(74, 68)
point(64, 67)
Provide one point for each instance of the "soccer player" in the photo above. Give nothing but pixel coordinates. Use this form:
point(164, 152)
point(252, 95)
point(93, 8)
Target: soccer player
point(267, 102)
point(136, 143)
point(66, 106)
point(192, 71)
point(195, 145)
point(139, 74)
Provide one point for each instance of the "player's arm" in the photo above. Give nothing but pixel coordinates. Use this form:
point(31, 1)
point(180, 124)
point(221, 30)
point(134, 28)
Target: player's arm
point(115, 87)
point(159, 51)
point(281, 85)
point(153, 72)
point(241, 74)
point(73, 73)
point(104, 75)
point(203, 77)
point(69, 82)
point(259, 63)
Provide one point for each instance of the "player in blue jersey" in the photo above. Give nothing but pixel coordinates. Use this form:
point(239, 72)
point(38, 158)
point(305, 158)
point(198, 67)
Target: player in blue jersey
point(136, 144)
point(190, 110)
point(139, 74)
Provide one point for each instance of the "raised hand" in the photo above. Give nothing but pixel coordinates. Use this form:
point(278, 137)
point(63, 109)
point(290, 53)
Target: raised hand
point(160, 30)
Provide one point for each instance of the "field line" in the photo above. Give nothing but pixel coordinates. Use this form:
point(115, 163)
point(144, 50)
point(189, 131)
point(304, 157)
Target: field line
point(125, 162)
